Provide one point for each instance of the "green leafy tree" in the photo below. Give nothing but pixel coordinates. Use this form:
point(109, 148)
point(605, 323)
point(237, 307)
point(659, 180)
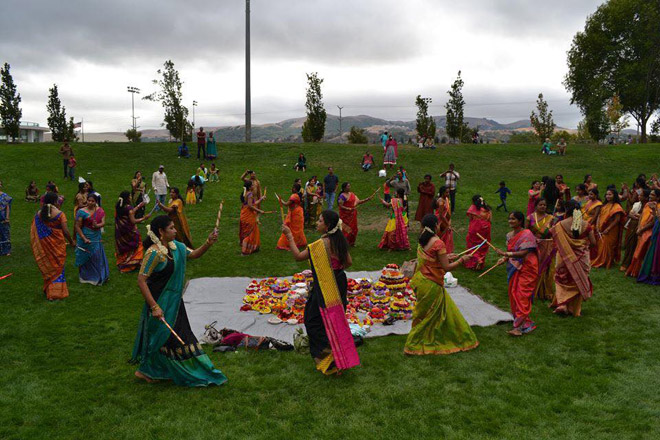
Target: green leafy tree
point(59, 128)
point(314, 127)
point(523, 137)
point(598, 124)
point(133, 135)
point(542, 122)
point(357, 136)
point(618, 121)
point(618, 53)
point(583, 135)
point(425, 124)
point(10, 100)
point(562, 134)
point(655, 130)
point(169, 95)
point(455, 107)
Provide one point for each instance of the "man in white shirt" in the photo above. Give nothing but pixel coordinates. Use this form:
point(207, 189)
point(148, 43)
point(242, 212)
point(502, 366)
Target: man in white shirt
point(451, 179)
point(160, 185)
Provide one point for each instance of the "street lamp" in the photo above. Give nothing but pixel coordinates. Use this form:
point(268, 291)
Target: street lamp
point(248, 99)
point(340, 130)
point(133, 91)
point(194, 105)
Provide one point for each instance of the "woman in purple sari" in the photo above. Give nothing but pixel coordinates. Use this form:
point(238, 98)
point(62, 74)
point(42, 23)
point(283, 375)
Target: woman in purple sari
point(128, 243)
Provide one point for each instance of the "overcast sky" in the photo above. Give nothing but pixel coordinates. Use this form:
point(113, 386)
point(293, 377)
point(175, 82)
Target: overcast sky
point(375, 56)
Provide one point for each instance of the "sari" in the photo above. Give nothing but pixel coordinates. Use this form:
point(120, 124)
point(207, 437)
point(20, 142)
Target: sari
point(330, 339)
point(180, 222)
point(630, 239)
point(438, 327)
point(390, 153)
point(643, 242)
point(531, 202)
point(444, 215)
point(572, 283)
point(159, 353)
point(191, 197)
point(546, 251)
point(649, 273)
point(395, 236)
point(5, 238)
point(349, 217)
point(589, 210)
point(137, 196)
point(479, 224)
point(90, 257)
point(426, 192)
point(249, 235)
point(522, 275)
point(609, 245)
point(314, 205)
point(295, 220)
point(211, 148)
point(49, 249)
point(128, 244)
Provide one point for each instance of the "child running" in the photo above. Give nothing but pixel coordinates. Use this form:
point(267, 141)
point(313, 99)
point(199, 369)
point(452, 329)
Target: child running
point(503, 191)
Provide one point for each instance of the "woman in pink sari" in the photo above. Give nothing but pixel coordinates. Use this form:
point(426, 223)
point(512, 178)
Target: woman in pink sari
point(395, 236)
point(479, 215)
point(443, 213)
point(534, 195)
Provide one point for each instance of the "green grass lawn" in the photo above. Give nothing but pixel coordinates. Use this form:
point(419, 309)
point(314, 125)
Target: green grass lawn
point(64, 370)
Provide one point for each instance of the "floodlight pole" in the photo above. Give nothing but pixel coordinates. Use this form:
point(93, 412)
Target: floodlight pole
point(248, 104)
point(133, 91)
point(194, 105)
point(340, 130)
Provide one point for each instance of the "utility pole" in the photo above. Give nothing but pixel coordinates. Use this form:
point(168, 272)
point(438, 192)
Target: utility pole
point(248, 104)
point(340, 131)
point(133, 91)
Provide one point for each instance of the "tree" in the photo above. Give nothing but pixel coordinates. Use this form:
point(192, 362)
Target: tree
point(170, 96)
point(655, 130)
point(314, 127)
point(10, 100)
point(425, 125)
point(598, 124)
point(60, 129)
point(133, 135)
point(617, 120)
point(618, 53)
point(357, 136)
point(583, 135)
point(543, 124)
point(523, 137)
point(455, 107)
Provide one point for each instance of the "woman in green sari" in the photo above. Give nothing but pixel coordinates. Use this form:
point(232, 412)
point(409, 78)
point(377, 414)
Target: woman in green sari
point(163, 354)
point(438, 326)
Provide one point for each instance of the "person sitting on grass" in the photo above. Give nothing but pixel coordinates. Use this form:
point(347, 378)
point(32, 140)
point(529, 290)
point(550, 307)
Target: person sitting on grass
point(32, 192)
point(301, 164)
point(367, 161)
point(547, 147)
point(183, 151)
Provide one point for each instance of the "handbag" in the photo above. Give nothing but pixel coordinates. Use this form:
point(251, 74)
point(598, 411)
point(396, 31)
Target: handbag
point(408, 268)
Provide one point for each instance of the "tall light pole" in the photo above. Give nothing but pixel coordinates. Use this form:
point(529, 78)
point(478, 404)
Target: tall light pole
point(248, 104)
point(133, 91)
point(194, 105)
point(340, 130)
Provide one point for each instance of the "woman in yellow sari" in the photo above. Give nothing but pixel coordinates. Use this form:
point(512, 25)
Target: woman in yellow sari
point(395, 236)
point(591, 208)
point(248, 231)
point(540, 223)
point(295, 220)
point(644, 232)
point(175, 211)
point(609, 229)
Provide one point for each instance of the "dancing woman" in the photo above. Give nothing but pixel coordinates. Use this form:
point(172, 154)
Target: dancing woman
point(5, 210)
point(295, 220)
point(175, 212)
point(128, 244)
point(395, 236)
point(438, 327)
point(348, 203)
point(610, 230)
point(313, 201)
point(572, 238)
point(159, 353)
point(591, 207)
point(330, 342)
point(644, 232)
point(534, 194)
point(540, 223)
point(90, 254)
point(635, 204)
point(49, 235)
point(479, 215)
point(248, 230)
point(137, 193)
point(426, 191)
point(443, 213)
point(649, 272)
point(522, 268)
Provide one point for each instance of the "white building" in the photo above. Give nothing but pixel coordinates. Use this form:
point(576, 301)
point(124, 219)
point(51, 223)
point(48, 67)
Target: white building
point(30, 132)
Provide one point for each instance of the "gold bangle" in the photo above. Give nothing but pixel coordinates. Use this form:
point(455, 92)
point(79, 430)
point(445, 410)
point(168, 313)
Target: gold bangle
point(155, 306)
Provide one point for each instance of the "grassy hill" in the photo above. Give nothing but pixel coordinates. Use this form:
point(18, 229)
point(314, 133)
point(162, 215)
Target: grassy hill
point(64, 365)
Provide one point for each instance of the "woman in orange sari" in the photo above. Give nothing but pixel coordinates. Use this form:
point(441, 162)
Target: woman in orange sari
point(540, 223)
point(395, 236)
point(426, 191)
point(644, 232)
point(591, 207)
point(636, 199)
point(128, 243)
point(479, 215)
point(572, 237)
point(248, 231)
point(443, 213)
point(175, 212)
point(348, 203)
point(48, 237)
point(610, 230)
point(522, 268)
point(295, 220)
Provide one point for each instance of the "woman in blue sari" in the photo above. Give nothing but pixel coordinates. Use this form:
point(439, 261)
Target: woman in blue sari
point(159, 351)
point(90, 254)
point(5, 209)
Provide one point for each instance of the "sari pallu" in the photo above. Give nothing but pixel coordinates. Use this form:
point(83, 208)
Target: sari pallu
point(643, 242)
point(522, 276)
point(159, 354)
point(49, 249)
point(438, 327)
point(395, 236)
point(349, 217)
point(546, 251)
point(180, 222)
point(609, 245)
point(128, 243)
point(249, 235)
point(649, 273)
point(572, 283)
point(295, 220)
point(5, 238)
point(90, 257)
point(589, 210)
point(479, 224)
point(447, 236)
point(330, 339)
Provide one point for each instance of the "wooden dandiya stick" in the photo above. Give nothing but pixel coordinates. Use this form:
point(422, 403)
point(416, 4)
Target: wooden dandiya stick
point(496, 264)
point(478, 247)
point(281, 207)
point(468, 250)
point(217, 220)
point(172, 330)
point(82, 249)
point(6, 276)
point(374, 193)
point(486, 240)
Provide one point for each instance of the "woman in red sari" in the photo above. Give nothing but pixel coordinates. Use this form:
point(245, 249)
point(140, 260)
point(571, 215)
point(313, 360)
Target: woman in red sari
point(348, 203)
point(249, 236)
point(479, 215)
point(395, 236)
point(610, 230)
point(443, 213)
point(572, 237)
point(534, 194)
point(48, 237)
point(295, 220)
point(426, 191)
point(644, 232)
point(522, 268)
point(540, 223)
point(128, 243)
